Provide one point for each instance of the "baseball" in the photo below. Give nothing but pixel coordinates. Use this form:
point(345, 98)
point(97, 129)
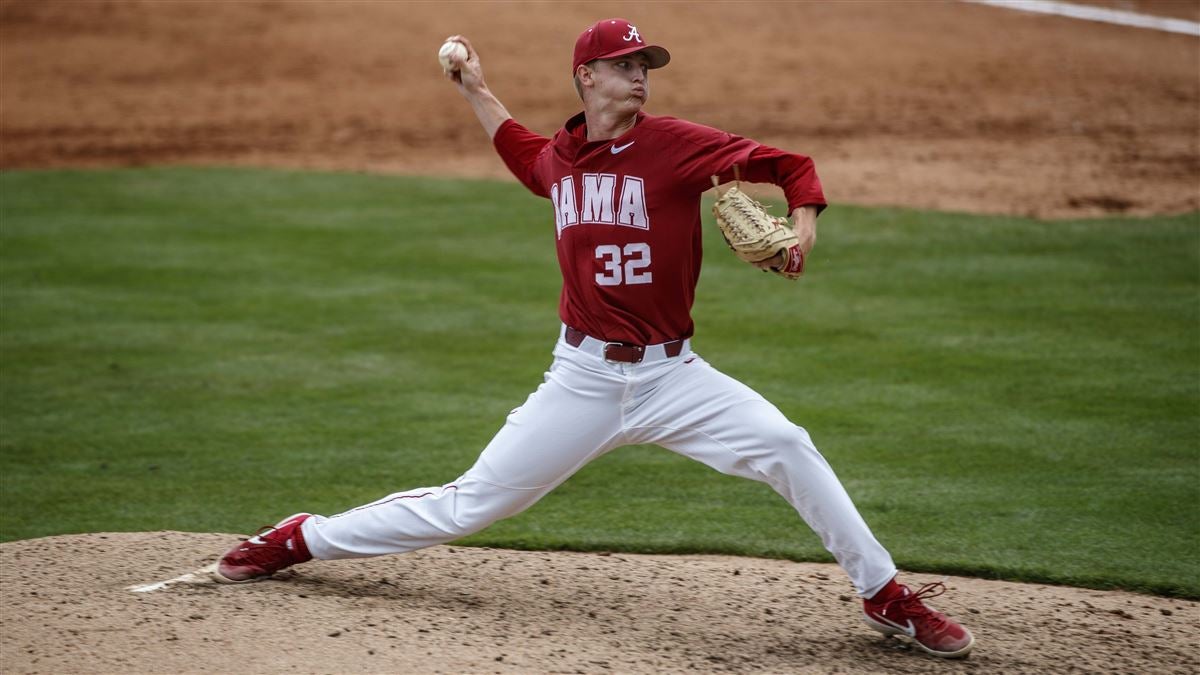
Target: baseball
point(452, 52)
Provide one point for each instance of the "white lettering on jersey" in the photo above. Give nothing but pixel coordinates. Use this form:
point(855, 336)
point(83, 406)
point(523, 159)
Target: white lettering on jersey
point(597, 206)
point(632, 211)
point(565, 213)
point(611, 255)
point(558, 219)
point(637, 257)
point(627, 270)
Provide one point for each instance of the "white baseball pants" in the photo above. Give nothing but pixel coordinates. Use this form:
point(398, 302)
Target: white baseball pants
point(588, 406)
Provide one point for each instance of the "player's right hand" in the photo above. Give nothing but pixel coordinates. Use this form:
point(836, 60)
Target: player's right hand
point(469, 74)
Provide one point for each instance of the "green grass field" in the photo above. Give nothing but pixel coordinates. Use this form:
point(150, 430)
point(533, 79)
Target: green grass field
point(208, 350)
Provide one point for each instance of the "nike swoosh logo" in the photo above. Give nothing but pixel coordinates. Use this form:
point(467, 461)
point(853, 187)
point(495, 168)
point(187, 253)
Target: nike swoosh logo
point(618, 148)
point(909, 630)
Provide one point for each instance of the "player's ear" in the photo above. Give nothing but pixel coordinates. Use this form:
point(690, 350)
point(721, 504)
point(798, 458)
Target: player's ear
point(583, 70)
point(584, 74)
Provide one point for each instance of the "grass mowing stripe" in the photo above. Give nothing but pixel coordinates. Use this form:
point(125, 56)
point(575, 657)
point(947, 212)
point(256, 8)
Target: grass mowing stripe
point(204, 349)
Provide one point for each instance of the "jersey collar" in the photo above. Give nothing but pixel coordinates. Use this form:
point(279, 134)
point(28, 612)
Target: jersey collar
point(576, 129)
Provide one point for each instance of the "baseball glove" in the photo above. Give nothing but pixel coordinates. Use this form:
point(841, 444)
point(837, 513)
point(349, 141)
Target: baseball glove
point(755, 235)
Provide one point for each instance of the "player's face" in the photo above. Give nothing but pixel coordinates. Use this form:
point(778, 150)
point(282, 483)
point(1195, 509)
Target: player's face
point(623, 82)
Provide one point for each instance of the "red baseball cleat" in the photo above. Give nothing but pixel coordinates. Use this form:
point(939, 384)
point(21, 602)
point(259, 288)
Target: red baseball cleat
point(902, 613)
point(264, 554)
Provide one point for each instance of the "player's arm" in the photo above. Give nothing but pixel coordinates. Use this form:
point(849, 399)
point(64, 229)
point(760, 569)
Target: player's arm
point(711, 151)
point(804, 222)
point(469, 78)
point(797, 175)
point(516, 145)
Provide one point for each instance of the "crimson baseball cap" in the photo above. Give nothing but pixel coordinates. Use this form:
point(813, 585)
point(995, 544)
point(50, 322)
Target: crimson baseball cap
point(610, 38)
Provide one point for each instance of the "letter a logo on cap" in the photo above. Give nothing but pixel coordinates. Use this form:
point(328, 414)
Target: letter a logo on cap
point(612, 38)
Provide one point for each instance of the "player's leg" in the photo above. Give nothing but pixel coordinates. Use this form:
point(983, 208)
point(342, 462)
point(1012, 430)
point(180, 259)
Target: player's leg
point(704, 414)
point(570, 419)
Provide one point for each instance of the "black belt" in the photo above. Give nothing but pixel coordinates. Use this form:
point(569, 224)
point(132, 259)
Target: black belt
point(622, 352)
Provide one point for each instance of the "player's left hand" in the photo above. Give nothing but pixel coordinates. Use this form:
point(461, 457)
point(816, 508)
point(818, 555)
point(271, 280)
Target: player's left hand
point(757, 237)
point(770, 263)
point(804, 222)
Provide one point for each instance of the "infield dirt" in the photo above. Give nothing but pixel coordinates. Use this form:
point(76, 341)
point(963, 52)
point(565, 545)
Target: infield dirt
point(930, 105)
point(937, 105)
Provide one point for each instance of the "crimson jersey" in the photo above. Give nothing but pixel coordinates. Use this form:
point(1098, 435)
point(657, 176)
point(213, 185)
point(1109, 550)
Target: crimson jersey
point(627, 214)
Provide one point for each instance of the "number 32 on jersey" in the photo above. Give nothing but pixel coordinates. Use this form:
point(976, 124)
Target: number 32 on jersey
point(624, 265)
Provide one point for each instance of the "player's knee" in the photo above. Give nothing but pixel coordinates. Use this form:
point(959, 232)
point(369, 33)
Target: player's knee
point(463, 529)
point(468, 524)
point(477, 508)
point(770, 425)
point(784, 437)
point(788, 450)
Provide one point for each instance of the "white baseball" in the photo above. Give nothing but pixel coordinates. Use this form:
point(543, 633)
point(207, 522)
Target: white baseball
point(452, 52)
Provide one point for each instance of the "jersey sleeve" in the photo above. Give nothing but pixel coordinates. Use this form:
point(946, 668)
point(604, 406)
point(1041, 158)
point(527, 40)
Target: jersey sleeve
point(519, 148)
point(796, 174)
point(706, 152)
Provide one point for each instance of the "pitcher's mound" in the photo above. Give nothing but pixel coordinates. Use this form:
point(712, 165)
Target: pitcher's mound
point(68, 607)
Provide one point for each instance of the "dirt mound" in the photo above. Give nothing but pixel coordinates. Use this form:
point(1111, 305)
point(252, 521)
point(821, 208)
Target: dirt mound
point(68, 608)
point(949, 105)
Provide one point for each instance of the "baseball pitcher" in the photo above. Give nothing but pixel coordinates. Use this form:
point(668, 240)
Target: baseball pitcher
point(625, 188)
